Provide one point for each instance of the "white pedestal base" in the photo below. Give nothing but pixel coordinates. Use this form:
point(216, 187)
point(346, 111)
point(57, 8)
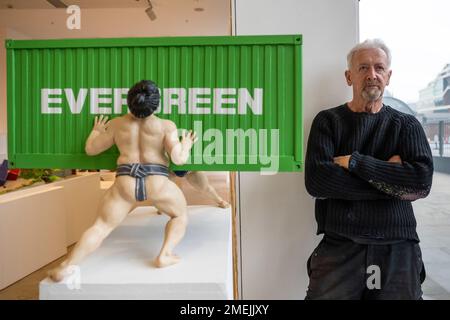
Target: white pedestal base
point(122, 267)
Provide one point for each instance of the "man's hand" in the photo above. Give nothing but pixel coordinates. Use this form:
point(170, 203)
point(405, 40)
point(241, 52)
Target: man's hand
point(100, 124)
point(396, 159)
point(342, 161)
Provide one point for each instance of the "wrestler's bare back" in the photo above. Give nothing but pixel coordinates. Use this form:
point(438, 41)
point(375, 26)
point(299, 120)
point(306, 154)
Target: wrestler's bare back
point(145, 141)
point(141, 140)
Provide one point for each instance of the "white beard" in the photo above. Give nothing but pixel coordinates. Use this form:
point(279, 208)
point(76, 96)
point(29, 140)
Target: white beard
point(372, 94)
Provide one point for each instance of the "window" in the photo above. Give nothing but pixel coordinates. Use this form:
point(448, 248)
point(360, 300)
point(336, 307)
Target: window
point(417, 32)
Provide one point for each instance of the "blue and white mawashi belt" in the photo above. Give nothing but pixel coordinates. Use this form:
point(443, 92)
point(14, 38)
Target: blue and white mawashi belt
point(140, 171)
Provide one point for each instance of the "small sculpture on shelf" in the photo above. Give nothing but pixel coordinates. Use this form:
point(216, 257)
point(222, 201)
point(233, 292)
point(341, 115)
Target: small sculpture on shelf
point(144, 142)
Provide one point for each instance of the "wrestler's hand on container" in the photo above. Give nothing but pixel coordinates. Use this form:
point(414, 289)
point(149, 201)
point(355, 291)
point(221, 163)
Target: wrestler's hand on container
point(188, 138)
point(342, 161)
point(100, 123)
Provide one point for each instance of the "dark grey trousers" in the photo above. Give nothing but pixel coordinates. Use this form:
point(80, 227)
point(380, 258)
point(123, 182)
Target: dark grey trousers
point(341, 269)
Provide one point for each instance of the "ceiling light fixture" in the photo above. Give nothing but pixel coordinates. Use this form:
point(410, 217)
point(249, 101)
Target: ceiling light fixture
point(57, 3)
point(149, 11)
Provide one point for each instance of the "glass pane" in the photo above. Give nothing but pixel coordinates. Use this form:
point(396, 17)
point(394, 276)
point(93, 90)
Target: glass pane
point(417, 33)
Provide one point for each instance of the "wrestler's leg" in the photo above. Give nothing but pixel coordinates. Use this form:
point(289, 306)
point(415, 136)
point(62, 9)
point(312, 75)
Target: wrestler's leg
point(199, 181)
point(112, 210)
point(172, 178)
point(168, 198)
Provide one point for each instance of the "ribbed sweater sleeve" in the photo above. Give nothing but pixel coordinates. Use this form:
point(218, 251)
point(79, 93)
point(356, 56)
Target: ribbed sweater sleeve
point(410, 180)
point(324, 178)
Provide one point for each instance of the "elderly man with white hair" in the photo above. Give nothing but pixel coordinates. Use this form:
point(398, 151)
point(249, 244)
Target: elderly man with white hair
point(365, 163)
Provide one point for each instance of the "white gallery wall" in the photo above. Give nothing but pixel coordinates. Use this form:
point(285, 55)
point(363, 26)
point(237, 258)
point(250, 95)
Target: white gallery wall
point(277, 225)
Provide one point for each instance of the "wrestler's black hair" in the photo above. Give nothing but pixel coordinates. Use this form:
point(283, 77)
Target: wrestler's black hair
point(143, 98)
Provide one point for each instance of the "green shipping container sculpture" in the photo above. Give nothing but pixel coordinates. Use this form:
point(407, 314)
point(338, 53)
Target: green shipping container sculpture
point(242, 95)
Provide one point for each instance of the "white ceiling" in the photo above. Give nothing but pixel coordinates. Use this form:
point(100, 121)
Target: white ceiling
point(174, 18)
point(43, 4)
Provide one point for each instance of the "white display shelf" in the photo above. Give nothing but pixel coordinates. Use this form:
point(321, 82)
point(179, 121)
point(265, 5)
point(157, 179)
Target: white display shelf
point(122, 267)
point(38, 222)
point(32, 230)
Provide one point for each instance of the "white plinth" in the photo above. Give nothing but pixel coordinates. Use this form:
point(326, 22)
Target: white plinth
point(121, 268)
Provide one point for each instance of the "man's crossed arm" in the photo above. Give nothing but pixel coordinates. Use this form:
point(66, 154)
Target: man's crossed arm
point(407, 176)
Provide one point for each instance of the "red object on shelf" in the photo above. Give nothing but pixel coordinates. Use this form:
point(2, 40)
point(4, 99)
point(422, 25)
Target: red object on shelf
point(13, 174)
point(3, 172)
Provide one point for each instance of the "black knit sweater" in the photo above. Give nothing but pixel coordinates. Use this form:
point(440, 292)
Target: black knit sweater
point(373, 198)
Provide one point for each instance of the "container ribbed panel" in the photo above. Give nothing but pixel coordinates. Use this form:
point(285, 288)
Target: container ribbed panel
point(39, 139)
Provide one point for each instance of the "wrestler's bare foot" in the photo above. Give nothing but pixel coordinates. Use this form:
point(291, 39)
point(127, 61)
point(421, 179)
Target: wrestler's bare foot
point(166, 260)
point(223, 204)
point(59, 273)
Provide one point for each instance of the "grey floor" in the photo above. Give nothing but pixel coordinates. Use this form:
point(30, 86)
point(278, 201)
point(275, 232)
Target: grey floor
point(433, 226)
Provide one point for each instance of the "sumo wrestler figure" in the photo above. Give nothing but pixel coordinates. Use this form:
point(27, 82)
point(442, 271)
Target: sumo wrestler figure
point(144, 141)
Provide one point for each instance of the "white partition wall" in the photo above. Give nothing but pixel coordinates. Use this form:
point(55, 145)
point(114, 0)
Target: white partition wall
point(277, 225)
point(2, 146)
